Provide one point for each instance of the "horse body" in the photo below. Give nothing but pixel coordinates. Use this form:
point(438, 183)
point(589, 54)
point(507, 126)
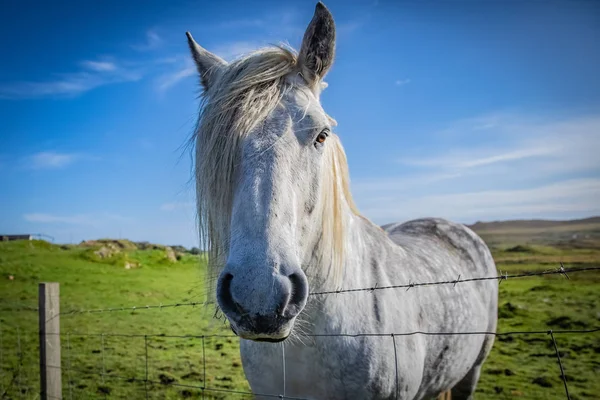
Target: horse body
point(276, 213)
point(364, 367)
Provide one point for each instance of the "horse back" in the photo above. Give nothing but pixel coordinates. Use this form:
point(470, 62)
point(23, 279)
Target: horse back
point(455, 238)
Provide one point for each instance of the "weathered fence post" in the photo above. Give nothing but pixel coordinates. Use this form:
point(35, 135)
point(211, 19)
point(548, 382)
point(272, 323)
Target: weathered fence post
point(50, 369)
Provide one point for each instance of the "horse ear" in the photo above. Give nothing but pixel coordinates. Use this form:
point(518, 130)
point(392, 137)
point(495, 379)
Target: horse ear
point(208, 64)
point(318, 46)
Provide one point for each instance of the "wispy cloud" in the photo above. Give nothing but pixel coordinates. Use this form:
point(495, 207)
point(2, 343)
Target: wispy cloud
point(473, 158)
point(349, 27)
point(186, 67)
point(168, 80)
point(99, 66)
point(166, 60)
point(50, 160)
point(177, 205)
point(569, 197)
point(402, 82)
point(94, 219)
point(95, 74)
point(571, 145)
point(498, 167)
point(153, 41)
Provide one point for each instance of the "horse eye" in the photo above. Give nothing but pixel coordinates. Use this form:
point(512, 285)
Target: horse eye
point(322, 136)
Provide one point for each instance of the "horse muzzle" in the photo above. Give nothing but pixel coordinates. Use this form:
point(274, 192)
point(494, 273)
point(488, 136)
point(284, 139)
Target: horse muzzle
point(262, 308)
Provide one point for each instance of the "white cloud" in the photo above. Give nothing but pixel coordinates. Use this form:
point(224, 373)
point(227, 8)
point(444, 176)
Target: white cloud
point(186, 68)
point(50, 218)
point(570, 197)
point(370, 187)
point(167, 60)
point(500, 166)
point(169, 80)
point(474, 158)
point(97, 219)
point(153, 41)
point(570, 145)
point(53, 160)
point(167, 228)
point(402, 82)
point(99, 66)
point(68, 84)
point(50, 160)
point(349, 27)
point(91, 74)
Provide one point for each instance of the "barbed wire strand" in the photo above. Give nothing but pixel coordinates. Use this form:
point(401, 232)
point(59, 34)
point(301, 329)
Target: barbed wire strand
point(501, 277)
point(426, 333)
point(561, 270)
point(17, 307)
point(562, 371)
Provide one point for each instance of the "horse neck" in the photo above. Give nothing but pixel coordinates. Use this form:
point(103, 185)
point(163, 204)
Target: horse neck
point(370, 260)
point(365, 246)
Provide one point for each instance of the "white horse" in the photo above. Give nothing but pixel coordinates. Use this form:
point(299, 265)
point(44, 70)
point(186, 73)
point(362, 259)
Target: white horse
point(277, 215)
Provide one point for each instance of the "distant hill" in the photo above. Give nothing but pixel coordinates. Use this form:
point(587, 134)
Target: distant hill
point(577, 233)
point(531, 223)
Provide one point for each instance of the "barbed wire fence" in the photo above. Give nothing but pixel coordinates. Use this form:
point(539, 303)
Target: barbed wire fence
point(148, 338)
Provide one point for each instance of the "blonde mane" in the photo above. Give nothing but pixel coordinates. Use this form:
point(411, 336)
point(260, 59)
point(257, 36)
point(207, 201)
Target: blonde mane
point(242, 97)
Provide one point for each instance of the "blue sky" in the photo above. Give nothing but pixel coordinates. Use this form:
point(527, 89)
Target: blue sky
point(461, 109)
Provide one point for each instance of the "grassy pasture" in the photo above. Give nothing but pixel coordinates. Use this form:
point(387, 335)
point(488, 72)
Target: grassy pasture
point(523, 367)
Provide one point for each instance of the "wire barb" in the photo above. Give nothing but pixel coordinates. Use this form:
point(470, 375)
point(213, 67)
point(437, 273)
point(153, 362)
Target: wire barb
point(563, 271)
point(456, 281)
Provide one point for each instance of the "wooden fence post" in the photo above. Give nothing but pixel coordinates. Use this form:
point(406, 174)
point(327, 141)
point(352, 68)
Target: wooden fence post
point(49, 317)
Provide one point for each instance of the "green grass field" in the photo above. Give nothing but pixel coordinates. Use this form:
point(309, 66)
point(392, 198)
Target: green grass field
point(97, 366)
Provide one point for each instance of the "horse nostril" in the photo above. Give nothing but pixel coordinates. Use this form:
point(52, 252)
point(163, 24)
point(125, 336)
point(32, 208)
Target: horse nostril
point(225, 298)
point(299, 294)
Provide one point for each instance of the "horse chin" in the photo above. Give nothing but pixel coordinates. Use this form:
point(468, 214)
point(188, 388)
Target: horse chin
point(270, 340)
point(261, 337)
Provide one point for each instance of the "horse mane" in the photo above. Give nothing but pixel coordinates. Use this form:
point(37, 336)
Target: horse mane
point(242, 97)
